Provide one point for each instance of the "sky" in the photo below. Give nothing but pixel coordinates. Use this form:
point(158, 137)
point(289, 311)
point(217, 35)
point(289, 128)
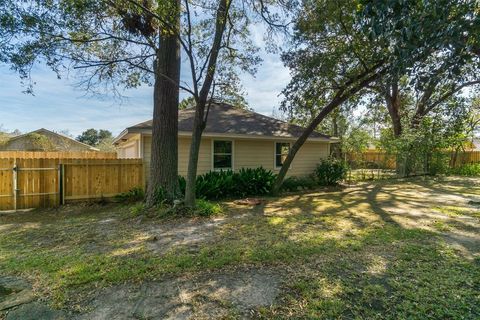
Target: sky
point(58, 105)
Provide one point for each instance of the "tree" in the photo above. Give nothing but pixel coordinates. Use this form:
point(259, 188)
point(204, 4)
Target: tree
point(101, 139)
point(444, 33)
point(341, 48)
point(215, 63)
point(331, 60)
point(111, 45)
point(93, 137)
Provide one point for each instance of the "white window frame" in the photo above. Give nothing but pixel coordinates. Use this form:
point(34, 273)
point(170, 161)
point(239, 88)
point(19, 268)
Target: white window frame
point(275, 153)
point(232, 154)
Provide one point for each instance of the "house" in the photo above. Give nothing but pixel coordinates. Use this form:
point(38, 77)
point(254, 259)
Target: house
point(44, 140)
point(234, 138)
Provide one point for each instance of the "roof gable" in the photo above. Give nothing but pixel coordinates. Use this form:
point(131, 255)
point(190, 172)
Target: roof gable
point(45, 132)
point(226, 119)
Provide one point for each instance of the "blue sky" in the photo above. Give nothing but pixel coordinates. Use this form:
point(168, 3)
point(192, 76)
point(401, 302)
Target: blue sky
point(58, 105)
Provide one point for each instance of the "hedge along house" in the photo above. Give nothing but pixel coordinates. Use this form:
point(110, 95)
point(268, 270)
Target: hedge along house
point(234, 138)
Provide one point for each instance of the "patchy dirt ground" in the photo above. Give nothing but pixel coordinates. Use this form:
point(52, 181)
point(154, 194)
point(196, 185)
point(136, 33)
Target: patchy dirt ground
point(359, 251)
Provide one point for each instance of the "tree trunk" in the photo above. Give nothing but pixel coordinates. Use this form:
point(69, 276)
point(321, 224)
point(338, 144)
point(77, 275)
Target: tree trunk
point(200, 119)
point(337, 100)
point(164, 157)
point(337, 149)
point(198, 126)
point(392, 99)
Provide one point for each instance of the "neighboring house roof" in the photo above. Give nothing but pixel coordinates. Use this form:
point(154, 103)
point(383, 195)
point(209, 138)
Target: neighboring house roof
point(43, 131)
point(226, 120)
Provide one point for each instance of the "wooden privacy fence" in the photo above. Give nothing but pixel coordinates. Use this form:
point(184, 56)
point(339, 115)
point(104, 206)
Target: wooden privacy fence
point(458, 159)
point(36, 183)
point(58, 154)
point(372, 159)
point(382, 160)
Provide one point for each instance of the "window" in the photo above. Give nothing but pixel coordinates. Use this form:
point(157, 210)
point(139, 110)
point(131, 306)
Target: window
point(222, 155)
point(281, 152)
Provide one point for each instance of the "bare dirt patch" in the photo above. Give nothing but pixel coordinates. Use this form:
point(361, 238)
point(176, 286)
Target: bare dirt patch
point(207, 296)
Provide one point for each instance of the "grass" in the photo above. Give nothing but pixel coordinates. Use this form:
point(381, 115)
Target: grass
point(341, 253)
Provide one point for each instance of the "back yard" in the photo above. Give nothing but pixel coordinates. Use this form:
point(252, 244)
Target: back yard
point(390, 250)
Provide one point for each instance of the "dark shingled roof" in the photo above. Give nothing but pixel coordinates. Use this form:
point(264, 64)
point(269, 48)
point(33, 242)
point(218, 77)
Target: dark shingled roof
point(224, 118)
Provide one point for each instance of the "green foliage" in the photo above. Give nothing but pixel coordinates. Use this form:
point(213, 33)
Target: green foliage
point(471, 170)
point(206, 208)
point(215, 185)
point(299, 183)
point(94, 137)
point(257, 181)
point(425, 148)
point(331, 171)
point(356, 141)
point(228, 184)
point(138, 209)
point(39, 142)
point(133, 195)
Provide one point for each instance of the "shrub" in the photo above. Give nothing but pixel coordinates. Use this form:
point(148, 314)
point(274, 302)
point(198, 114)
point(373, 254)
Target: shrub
point(182, 184)
point(331, 171)
point(206, 208)
point(253, 182)
point(299, 183)
point(439, 163)
point(137, 209)
point(133, 195)
point(216, 185)
point(472, 169)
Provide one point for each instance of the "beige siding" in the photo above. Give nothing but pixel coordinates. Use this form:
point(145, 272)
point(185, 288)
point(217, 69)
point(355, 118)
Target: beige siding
point(253, 154)
point(250, 153)
point(256, 153)
point(204, 157)
point(308, 157)
point(129, 149)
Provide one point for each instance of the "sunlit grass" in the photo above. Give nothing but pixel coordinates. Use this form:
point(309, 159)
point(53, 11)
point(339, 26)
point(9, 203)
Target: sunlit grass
point(345, 258)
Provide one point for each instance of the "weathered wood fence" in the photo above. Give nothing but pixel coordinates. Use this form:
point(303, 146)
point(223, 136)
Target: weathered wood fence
point(382, 160)
point(35, 183)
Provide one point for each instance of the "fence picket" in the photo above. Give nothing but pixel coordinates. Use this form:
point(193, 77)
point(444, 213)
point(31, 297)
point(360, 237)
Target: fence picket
point(38, 180)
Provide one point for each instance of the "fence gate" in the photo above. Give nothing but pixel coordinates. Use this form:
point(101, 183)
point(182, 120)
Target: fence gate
point(29, 183)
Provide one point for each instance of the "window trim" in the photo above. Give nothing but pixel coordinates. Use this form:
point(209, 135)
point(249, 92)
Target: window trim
point(213, 155)
point(275, 153)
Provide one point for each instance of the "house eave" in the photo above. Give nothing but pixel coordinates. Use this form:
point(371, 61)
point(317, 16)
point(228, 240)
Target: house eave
point(225, 135)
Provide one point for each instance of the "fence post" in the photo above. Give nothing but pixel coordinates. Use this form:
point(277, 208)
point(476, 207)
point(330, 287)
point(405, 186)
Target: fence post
point(15, 180)
point(61, 181)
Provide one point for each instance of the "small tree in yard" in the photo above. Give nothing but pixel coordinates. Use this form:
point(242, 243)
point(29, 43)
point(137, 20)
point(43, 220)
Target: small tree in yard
point(215, 58)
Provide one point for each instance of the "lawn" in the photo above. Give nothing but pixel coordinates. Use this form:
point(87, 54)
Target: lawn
point(387, 250)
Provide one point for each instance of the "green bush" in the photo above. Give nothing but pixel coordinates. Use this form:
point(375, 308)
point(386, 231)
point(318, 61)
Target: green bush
point(253, 182)
point(133, 195)
point(206, 208)
point(298, 183)
point(216, 185)
point(331, 171)
point(472, 169)
point(137, 209)
point(439, 163)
